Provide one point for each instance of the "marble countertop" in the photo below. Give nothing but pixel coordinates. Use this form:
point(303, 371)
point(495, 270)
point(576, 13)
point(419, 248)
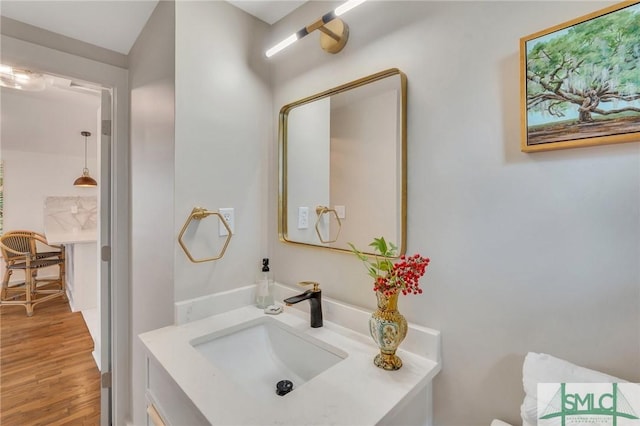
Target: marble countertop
point(353, 391)
point(71, 220)
point(70, 237)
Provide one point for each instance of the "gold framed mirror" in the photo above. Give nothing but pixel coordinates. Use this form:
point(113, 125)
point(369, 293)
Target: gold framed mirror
point(343, 175)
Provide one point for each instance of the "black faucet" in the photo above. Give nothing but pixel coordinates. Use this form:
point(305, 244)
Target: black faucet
point(315, 301)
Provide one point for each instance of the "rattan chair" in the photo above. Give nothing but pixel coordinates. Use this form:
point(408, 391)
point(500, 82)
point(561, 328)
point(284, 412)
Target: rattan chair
point(29, 252)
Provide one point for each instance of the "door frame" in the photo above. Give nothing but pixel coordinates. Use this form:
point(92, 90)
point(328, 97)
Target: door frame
point(43, 59)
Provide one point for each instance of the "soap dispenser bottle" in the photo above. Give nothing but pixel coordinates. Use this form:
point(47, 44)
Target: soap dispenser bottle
point(264, 290)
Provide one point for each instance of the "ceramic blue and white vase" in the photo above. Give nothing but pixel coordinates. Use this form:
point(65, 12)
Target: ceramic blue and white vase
point(388, 328)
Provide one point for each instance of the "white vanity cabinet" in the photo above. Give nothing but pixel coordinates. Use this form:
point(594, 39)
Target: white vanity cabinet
point(187, 386)
point(167, 404)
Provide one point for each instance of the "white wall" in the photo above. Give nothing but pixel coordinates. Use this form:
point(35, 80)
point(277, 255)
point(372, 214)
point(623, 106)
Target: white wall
point(223, 135)
point(530, 252)
point(30, 178)
point(151, 79)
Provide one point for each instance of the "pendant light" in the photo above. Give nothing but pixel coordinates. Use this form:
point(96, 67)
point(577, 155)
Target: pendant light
point(85, 180)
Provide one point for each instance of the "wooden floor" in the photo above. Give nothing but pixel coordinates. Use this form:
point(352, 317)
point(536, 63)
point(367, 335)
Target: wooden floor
point(47, 373)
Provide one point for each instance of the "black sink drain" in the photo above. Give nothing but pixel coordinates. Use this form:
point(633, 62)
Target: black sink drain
point(283, 387)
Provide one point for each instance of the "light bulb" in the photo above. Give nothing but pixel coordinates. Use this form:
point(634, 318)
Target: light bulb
point(345, 7)
point(284, 43)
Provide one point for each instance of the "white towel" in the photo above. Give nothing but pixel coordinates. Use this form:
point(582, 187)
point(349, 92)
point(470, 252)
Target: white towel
point(543, 368)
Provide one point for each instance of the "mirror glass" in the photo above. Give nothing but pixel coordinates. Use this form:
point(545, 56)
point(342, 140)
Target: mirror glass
point(343, 165)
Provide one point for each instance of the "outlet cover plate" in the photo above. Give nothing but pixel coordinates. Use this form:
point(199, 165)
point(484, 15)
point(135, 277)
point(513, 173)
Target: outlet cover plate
point(227, 214)
point(303, 217)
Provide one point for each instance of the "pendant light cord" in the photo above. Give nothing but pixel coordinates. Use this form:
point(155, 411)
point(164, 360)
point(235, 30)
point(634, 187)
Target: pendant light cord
point(86, 135)
point(85, 153)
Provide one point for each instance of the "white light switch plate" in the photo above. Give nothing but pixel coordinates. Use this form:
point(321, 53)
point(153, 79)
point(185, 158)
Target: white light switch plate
point(303, 217)
point(227, 214)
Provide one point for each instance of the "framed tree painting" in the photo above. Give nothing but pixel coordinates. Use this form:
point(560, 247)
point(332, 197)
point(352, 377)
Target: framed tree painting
point(580, 81)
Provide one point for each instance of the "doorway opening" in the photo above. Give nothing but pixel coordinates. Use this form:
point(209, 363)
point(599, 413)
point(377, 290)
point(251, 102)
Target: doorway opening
point(43, 136)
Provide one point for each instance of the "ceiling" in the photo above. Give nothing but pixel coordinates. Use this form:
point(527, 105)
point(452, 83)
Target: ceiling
point(116, 24)
point(63, 110)
point(267, 10)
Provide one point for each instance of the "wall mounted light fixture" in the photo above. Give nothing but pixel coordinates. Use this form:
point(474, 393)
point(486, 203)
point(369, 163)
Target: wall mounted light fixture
point(335, 31)
point(85, 180)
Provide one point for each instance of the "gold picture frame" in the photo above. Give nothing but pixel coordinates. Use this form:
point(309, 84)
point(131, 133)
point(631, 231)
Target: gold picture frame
point(580, 81)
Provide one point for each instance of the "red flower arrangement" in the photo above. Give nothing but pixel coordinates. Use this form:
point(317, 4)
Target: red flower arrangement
point(389, 277)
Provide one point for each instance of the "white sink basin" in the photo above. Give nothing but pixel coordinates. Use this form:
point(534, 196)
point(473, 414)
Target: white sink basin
point(258, 354)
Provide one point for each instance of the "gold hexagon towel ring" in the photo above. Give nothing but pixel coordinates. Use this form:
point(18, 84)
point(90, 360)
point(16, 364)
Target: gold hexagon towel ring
point(321, 211)
point(199, 213)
